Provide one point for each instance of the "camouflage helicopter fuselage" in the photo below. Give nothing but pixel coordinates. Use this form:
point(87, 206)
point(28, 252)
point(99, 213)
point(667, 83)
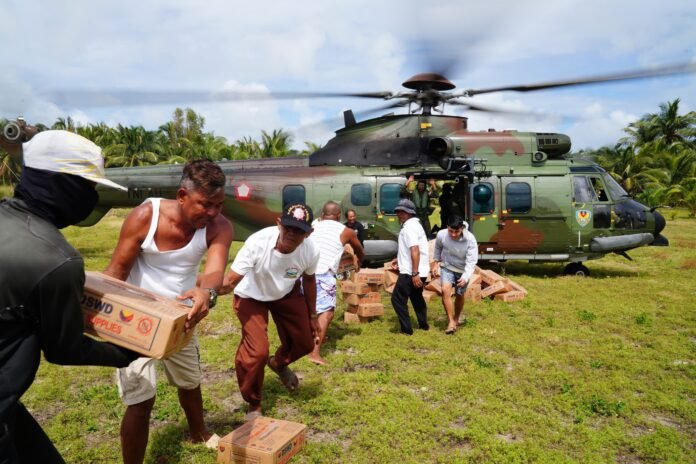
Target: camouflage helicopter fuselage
point(522, 198)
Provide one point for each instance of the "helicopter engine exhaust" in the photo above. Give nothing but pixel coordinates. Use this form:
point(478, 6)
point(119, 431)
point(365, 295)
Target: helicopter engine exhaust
point(12, 132)
point(440, 146)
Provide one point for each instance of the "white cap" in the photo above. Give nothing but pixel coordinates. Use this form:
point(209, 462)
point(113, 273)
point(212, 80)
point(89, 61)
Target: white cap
point(68, 153)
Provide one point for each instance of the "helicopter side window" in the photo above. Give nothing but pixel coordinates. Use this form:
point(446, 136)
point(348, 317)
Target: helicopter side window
point(598, 187)
point(293, 194)
point(518, 197)
point(483, 199)
point(389, 196)
point(360, 194)
point(584, 193)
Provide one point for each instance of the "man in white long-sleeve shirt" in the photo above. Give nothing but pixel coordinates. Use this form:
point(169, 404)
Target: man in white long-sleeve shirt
point(456, 251)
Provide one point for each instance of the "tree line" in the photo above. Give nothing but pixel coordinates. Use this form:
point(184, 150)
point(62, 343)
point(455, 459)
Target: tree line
point(655, 161)
point(175, 142)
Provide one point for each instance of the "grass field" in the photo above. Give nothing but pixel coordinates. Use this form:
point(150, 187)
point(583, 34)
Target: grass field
point(601, 369)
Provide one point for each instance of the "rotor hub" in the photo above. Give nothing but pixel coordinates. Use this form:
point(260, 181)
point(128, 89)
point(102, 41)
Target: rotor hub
point(428, 81)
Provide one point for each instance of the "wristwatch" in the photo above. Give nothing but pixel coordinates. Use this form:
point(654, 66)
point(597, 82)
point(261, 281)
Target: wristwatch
point(414, 274)
point(212, 299)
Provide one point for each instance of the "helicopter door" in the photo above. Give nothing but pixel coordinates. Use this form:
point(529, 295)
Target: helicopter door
point(591, 211)
point(484, 215)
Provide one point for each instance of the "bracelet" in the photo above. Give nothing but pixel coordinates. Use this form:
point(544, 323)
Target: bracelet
point(314, 316)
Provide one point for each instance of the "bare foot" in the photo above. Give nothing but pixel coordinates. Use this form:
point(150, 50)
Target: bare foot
point(317, 360)
point(198, 437)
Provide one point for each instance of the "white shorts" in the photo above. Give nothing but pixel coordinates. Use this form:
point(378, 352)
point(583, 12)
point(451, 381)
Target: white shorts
point(326, 292)
point(138, 382)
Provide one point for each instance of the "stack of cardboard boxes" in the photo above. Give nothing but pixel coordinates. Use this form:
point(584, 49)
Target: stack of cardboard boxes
point(362, 296)
point(483, 284)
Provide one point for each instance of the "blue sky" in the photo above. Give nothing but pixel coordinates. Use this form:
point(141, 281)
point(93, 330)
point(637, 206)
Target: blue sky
point(345, 46)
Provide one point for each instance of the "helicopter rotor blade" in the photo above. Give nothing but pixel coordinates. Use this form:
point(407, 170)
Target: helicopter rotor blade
point(96, 98)
point(337, 120)
point(489, 109)
point(669, 70)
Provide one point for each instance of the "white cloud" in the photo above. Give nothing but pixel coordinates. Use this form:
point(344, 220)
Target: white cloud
point(345, 46)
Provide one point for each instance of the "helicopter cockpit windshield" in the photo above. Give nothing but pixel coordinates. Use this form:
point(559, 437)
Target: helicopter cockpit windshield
point(615, 189)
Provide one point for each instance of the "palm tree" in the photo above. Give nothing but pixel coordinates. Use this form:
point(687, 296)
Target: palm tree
point(135, 147)
point(276, 144)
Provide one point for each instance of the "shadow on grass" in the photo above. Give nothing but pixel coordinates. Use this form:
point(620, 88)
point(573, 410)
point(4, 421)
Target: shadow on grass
point(337, 330)
point(512, 269)
point(165, 445)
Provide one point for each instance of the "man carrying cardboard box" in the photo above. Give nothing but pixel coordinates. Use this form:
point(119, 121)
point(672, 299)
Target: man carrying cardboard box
point(330, 236)
point(265, 277)
point(160, 249)
point(42, 278)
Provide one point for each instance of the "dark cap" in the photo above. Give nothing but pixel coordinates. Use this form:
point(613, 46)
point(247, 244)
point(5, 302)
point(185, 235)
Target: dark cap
point(297, 215)
point(406, 205)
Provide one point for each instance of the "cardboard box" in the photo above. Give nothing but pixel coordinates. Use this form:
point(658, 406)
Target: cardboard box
point(473, 293)
point(132, 317)
point(359, 288)
point(352, 318)
point(434, 285)
point(369, 276)
point(390, 278)
point(510, 296)
point(262, 441)
point(367, 309)
point(498, 287)
point(370, 297)
point(490, 277)
point(429, 295)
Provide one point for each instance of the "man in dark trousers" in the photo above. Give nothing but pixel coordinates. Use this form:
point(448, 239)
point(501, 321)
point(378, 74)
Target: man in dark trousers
point(41, 282)
point(412, 263)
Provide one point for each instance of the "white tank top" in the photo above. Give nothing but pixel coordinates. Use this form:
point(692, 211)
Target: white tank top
point(327, 239)
point(170, 272)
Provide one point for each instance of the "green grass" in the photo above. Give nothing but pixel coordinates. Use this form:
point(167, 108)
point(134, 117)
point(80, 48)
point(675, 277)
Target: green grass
point(594, 370)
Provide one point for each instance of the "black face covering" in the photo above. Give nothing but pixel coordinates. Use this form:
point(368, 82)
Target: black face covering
point(62, 199)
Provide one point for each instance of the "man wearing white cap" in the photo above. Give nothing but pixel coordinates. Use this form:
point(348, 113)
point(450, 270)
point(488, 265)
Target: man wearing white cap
point(41, 282)
point(412, 263)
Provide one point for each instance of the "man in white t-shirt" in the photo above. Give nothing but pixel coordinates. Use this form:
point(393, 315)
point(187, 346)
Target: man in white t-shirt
point(330, 236)
point(265, 277)
point(412, 263)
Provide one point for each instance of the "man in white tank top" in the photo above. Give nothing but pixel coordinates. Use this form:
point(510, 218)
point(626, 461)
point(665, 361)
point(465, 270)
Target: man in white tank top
point(330, 236)
point(265, 277)
point(160, 249)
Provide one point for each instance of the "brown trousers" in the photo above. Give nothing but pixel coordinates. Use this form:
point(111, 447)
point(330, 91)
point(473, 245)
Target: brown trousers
point(291, 318)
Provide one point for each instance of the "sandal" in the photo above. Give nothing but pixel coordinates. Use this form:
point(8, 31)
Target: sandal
point(286, 376)
point(450, 330)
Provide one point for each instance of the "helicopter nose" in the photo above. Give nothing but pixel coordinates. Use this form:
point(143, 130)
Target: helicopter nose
point(659, 223)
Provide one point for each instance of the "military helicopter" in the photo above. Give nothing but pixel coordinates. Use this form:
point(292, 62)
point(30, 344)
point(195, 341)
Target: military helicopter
point(523, 198)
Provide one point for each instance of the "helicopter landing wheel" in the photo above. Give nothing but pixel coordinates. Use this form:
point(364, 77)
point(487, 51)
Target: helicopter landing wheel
point(576, 269)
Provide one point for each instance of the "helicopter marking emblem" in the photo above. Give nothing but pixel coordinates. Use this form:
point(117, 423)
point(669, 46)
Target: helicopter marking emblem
point(583, 217)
